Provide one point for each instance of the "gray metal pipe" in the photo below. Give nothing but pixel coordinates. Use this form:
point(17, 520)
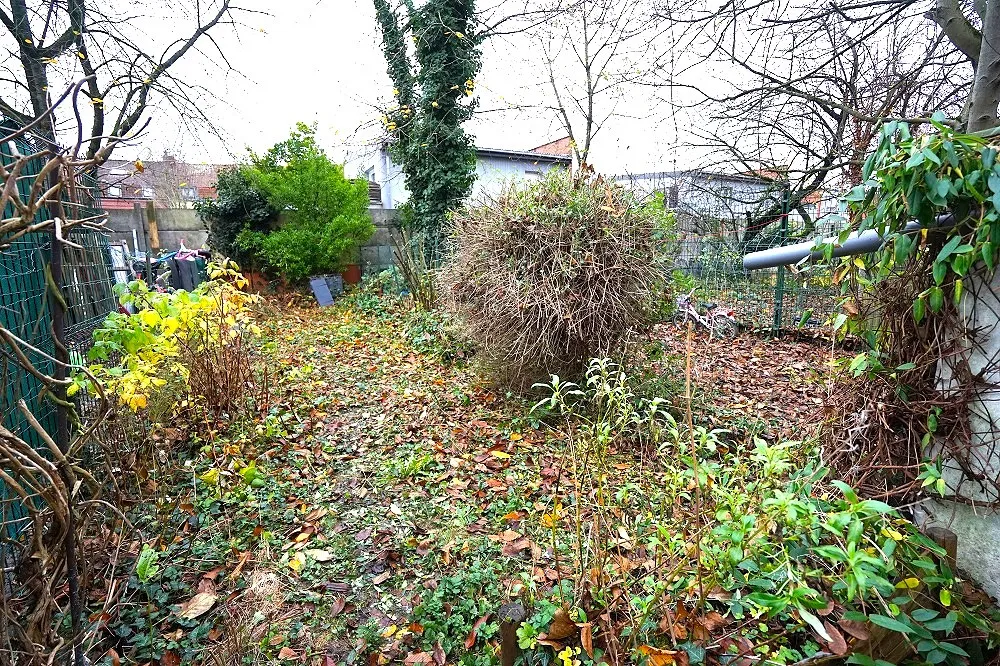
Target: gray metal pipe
point(856, 243)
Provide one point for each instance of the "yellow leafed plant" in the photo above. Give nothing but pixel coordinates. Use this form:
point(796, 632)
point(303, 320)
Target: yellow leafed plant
point(183, 345)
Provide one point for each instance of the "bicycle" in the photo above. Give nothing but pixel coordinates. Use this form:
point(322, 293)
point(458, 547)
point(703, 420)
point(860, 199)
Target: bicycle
point(717, 320)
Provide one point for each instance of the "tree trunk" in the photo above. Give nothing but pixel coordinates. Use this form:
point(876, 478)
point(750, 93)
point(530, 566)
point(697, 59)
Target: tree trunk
point(986, 89)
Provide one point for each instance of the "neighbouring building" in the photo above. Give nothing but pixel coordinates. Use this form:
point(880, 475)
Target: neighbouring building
point(494, 168)
point(708, 202)
point(168, 183)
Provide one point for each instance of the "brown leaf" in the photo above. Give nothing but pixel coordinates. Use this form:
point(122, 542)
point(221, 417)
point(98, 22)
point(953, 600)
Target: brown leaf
point(837, 645)
point(587, 638)
point(115, 659)
point(213, 574)
point(470, 640)
point(418, 658)
point(512, 548)
point(562, 627)
point(381, 578)
point(826, 610)
point(438, 654)
point(170, 658)
point(287, 653)
point(338, 606)
point(712, 621)
point(658, 657)
point(206, 585)
point(854, 628)
point(197, 605)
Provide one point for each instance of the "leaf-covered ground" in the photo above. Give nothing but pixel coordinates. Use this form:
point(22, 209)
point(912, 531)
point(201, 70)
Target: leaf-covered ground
point(403, 500)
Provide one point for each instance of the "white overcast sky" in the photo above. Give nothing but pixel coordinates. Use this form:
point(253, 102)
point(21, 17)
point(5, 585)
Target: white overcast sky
point(321, 62)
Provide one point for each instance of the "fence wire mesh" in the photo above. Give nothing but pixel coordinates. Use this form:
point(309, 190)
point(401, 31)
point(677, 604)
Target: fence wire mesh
point(773, 299)
point(24, 311)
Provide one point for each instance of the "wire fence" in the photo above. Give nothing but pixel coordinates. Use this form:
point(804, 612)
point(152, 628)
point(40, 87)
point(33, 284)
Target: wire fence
point(24, 311)
point(777, 299)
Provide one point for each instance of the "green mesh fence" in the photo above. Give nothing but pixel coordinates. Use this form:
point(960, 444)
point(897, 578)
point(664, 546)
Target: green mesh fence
point(772, 299)
point(24, 311)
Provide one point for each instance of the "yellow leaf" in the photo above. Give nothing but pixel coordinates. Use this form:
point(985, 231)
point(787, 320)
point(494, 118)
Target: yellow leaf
point(908, 584)
point(516, 436)
point(139, 166)
point(500, 454)
point(390, 631)
point(211, 477)
point(435, 104)
point(945, 597)
point(297, 561)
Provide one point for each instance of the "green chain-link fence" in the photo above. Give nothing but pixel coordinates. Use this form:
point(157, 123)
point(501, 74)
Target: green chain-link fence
point(775, 299)
point(24, 311)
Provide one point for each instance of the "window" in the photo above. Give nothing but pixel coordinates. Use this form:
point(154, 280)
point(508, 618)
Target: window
point(370, 174)
point(148, 192)
point(533, 175)
point(189, 193)
point(115, 191)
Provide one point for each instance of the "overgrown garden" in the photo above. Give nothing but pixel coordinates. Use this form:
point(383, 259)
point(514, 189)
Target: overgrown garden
point(382, 482)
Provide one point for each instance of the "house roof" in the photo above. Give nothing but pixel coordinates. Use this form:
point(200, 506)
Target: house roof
point(157, 174)
point(558, 147)
point(545, 158)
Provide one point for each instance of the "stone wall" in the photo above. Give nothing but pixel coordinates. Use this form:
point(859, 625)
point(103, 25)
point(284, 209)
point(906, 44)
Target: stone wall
point(378, 254)
point(175, 225)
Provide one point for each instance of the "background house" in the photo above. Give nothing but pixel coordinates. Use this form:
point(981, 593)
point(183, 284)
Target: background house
point(168, 183)
point(494, 168)
point(730, 209)
point(173, 186)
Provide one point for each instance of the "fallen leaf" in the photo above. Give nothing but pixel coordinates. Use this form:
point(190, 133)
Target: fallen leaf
point(438, 654)
point(658, 657)
point(170, 658)
point(381, 578)
point(470, 640)
point(418, 658)
point(562, 627)
point(287, 653)
point(297, 561)
point(319, 555)
point(854, 628)
point(197, 605)
point(587, 638)
point(338, 606)
point(115, 659)
point(837, 644)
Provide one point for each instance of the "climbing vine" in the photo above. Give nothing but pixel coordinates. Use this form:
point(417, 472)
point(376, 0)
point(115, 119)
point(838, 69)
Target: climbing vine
point(432, 58)
point(911, 414)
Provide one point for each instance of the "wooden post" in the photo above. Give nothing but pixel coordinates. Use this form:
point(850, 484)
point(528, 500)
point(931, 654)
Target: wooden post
point(948, 540)
point(154, 229)
point(511, 617)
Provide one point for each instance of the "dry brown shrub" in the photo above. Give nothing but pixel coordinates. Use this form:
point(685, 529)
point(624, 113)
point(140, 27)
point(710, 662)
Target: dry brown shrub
point(547, 276)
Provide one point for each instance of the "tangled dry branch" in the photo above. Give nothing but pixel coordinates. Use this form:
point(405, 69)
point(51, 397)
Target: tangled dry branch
point(886, 427)
point(40, 187)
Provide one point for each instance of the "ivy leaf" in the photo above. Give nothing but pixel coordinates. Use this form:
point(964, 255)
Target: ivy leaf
point(940, 270)
point(936, 299)
point(949, 248)
point(891, 624)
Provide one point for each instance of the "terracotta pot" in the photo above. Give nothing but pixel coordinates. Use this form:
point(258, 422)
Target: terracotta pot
point(351, 274)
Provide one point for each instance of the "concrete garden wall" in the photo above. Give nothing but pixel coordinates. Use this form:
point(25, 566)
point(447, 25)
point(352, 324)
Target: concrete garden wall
point(977, 526)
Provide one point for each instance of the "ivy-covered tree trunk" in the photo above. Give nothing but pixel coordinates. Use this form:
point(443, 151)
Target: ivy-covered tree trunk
point(432, 57)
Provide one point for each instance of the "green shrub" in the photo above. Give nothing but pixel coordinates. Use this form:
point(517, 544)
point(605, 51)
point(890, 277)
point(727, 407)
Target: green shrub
point(549, 275)
point(240, 207)
point(323, 215)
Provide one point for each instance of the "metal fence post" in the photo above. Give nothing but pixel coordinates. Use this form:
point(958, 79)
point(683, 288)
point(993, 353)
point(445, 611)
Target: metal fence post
point(779, 283)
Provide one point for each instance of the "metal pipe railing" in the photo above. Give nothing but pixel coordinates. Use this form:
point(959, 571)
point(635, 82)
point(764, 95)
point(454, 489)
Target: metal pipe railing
point(856, 243)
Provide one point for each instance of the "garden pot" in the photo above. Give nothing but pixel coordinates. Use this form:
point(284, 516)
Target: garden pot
point(352, 274)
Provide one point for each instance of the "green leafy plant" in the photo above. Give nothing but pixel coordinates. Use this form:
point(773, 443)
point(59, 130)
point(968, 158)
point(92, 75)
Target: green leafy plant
point(240, 206)
point(432, 56)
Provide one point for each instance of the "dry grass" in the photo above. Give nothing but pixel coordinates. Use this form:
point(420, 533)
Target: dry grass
point(549, 276)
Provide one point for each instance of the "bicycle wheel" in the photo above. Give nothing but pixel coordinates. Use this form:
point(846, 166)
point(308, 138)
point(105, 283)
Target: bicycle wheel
point(724, 327)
